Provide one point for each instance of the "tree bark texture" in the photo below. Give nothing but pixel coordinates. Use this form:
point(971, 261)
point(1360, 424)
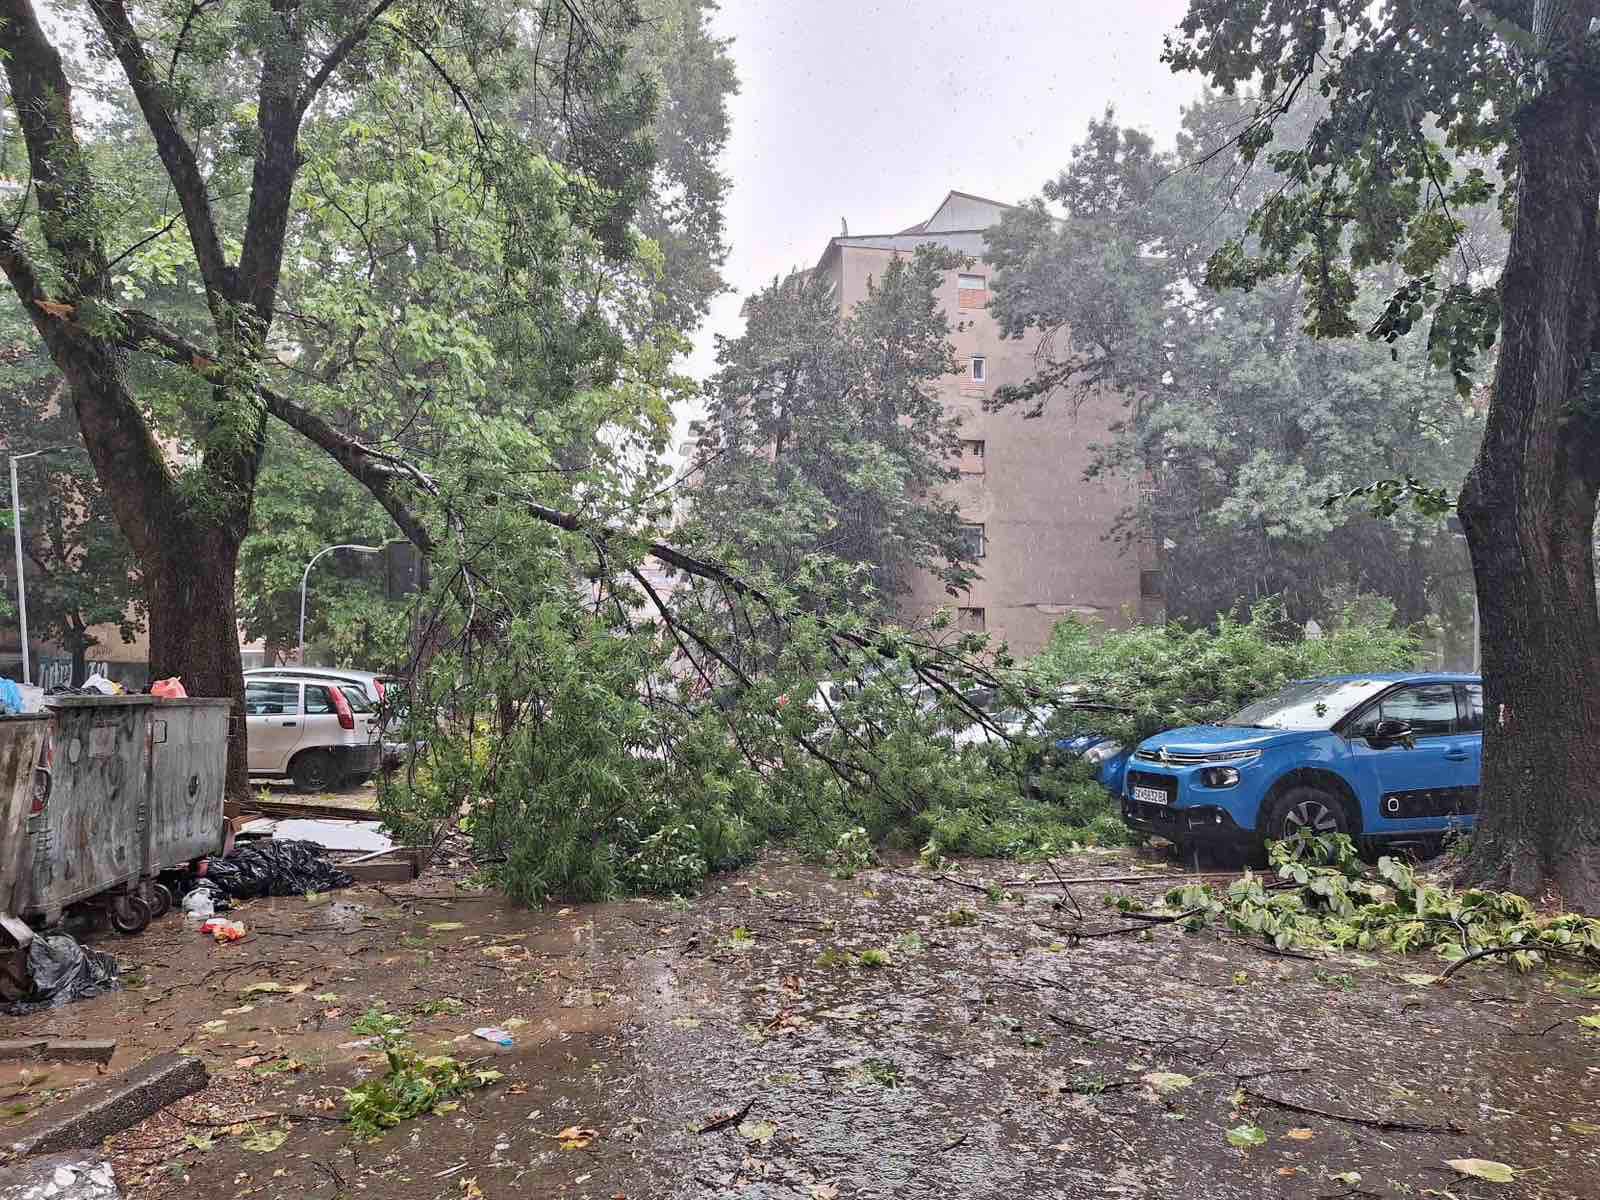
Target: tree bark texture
point(1528, 506)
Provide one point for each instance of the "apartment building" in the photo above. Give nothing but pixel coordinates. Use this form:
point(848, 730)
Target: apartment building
point(1040, 532)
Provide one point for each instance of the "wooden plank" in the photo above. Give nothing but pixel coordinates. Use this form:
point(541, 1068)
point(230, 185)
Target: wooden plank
point(294, 809)
point(403, 871)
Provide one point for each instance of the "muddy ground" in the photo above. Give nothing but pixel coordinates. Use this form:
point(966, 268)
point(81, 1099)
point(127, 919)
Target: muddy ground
point(984, 1056)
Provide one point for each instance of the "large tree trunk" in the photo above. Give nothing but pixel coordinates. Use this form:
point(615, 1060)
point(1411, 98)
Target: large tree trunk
point(1528, 508)
point(194, 628)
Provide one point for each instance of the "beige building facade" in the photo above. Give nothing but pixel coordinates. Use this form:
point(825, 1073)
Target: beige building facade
point(1043, 533)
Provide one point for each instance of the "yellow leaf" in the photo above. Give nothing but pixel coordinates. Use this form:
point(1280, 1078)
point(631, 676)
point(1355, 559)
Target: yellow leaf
point(1301, 1134)
point(470, 1190)
point(1167, 1082)
point(576, 1137)
point(1482, 1168)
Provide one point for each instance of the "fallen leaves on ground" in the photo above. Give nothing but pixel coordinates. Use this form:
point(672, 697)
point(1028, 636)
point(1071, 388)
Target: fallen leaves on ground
point(1482, 1168)
point(1246, 1136)
point(264, 1141)
point(1167, 1082)
point(576, 1137)
point(760, 1132)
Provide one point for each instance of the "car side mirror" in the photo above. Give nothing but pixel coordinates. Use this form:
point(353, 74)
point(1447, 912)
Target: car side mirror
point(1390, 733)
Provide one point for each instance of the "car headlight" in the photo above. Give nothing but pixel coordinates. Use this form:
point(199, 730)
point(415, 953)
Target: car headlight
point(1219, 777)
point(1238, 758)
point(1097, 754)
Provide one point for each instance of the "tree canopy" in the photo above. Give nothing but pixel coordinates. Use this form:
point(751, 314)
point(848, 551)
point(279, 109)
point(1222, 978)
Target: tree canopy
point(1240, 422)
point(827, 438)
point(1403, 103)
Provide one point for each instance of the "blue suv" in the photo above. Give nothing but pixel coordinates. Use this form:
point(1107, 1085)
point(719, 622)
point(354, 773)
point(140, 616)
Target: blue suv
point(1379, 757)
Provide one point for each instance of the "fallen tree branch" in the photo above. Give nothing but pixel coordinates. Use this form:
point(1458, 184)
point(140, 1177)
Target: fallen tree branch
point(1477, 954)
point(1387, 1123)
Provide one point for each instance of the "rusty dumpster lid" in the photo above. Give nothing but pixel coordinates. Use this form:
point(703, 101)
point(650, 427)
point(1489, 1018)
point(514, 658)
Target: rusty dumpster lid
point(133, 700)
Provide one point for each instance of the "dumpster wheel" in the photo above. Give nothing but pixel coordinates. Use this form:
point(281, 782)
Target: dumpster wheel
point(160, 900)
point(130, 913)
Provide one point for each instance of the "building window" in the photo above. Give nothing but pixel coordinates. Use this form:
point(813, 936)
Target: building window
point(979, 369)
point(972, 456)
point(972, 542)
point(970, 620)
point(1150, 585)
point(972, 291)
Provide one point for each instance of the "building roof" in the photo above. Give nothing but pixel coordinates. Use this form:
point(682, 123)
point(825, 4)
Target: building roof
point(958, 223)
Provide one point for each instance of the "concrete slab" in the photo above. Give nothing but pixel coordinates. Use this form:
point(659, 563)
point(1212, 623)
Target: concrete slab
point(60, 1177)
point(78, 1050)
point(84, 1117)
point(22, 1048)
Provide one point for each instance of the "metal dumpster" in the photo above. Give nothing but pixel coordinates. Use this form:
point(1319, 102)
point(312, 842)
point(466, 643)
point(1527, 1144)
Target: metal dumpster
point(21, 746)
point(136, 789)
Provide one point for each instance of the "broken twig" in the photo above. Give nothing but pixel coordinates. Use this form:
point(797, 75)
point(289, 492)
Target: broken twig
point(1369, 1122)
point(732, 1118)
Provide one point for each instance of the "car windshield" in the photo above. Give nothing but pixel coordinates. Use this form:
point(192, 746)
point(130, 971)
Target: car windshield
point(1310, 704)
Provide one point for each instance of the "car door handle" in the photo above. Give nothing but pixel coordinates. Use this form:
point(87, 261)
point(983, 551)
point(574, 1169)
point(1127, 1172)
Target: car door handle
point(290, 724)
point(1456, 754)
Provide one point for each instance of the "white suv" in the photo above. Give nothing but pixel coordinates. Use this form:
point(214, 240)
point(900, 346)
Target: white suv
point(318, 732)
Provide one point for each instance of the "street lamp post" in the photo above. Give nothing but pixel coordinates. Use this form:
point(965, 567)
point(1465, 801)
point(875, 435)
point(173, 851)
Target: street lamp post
point(306, 575)
point(16, 539)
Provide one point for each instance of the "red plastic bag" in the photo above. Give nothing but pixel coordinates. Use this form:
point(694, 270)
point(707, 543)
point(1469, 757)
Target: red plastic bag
point(169, 689)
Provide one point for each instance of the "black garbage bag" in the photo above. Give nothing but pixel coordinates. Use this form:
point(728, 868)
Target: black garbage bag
point(61, 970)
point(274, 868)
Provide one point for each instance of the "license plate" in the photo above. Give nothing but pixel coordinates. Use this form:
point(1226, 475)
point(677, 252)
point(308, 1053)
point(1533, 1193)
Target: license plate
point(1150, 795)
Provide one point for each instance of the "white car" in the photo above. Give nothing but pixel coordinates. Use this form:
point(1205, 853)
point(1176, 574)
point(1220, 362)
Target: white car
point(318, 732)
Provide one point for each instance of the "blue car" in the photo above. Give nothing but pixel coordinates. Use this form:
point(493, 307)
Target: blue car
point(1389, 757)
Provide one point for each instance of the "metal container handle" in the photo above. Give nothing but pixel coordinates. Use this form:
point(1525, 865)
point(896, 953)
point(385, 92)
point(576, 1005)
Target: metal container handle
point(42, 787)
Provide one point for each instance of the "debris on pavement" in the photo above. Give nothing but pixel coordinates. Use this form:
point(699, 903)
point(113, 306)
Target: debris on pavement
point(85, 1117)
point(76, 1176)
point(275, 868)
point(223, 929)
point(363, 836)
point(60, 970)
point(500, 1037)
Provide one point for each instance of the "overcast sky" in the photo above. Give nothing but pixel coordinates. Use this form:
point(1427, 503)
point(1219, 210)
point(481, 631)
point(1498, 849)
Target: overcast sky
point(872, 111)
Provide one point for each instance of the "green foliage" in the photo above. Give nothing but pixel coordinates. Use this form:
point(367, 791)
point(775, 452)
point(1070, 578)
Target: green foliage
point(828, 439)
point(1336, 903)
point(303, 504)
point(1239, 421)
point(1152, 678)
point(1388, 159)
point(413, 1086)
point(81, 572)
point(380, 1023)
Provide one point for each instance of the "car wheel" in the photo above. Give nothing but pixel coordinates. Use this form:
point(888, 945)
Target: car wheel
point(1307, 809)
point(315, 771)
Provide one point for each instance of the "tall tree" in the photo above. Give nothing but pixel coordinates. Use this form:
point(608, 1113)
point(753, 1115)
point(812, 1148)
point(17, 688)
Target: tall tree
point(234, 102)
point(1239, 422)
point(827, 438)
point(682, 213)
point(80, 571)
point(1404, 86)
